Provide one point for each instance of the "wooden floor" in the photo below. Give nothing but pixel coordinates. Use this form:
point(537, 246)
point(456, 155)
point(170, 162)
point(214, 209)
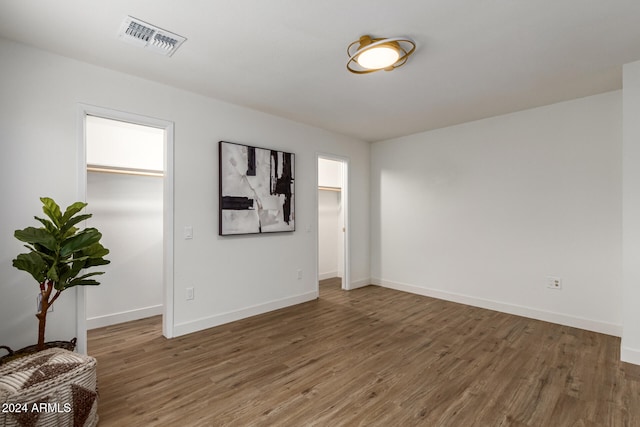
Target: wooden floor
point(370, 357)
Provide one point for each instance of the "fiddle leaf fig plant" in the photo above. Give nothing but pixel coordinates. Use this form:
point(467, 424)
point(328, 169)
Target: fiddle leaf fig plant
point(59, 252)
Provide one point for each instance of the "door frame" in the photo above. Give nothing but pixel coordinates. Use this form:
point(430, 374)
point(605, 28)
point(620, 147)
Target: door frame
point(168, 209)
point(346, 279)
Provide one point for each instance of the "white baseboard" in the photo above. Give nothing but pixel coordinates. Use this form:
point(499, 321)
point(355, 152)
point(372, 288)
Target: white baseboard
point(123, 316)
point(533, 313)
point(354, 284)
point(630, 355)
point(329, 275)
point(231, 316)
point(360, 283)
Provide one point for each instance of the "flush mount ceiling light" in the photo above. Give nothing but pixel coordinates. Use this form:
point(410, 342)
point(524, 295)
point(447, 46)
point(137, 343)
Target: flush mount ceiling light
point(142, 34)
point(374, 54)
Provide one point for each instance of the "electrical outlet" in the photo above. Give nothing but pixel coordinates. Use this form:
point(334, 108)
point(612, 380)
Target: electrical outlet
point(299, 274)
point(190, 294)
point(554, 282)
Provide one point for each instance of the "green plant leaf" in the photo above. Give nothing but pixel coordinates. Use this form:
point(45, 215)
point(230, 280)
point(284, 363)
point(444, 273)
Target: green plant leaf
point(93, 273)
point(33, 264)
point(51, 228)
point(52, 273)
point(73, 271)
point(68, 225)
point(96, 251)
point(37, 236)
point(94, 262)
point(80, 241)
point(77, 258)
point(52, 210)
point(95, 254)
point(68, 233)
point(71, 210)
point(47, 256)
point(84, 282)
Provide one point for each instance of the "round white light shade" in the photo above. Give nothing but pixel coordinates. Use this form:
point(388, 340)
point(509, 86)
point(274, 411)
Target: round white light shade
point(378, 57)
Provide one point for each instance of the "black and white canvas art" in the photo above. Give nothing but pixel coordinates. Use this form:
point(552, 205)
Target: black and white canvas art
point(256, 190)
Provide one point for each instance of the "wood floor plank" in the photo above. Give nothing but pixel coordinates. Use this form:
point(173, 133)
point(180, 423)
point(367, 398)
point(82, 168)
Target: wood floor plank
point(370, 357)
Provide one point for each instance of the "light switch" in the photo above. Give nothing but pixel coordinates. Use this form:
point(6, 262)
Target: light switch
point(188, 232)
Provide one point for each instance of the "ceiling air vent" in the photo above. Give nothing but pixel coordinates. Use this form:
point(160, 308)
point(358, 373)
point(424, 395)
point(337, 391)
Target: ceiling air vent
point(150, 37)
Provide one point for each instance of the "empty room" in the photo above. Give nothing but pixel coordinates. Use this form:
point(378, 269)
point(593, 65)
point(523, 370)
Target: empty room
point(338, 213)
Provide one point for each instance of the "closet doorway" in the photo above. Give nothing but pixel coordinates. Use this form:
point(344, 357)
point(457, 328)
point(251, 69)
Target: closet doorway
point(333, 253)
point(126, 175)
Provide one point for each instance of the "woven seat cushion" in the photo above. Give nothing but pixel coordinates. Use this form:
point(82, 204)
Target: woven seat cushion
point(54, 387)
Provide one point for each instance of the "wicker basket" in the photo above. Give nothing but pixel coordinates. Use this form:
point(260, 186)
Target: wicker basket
point(54, 387)
point(26, 351)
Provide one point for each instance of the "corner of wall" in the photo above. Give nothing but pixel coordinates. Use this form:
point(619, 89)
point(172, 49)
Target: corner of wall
point(629, 355)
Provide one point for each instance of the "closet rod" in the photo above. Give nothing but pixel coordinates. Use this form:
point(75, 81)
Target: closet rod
point(126, 171)
point(338, 189)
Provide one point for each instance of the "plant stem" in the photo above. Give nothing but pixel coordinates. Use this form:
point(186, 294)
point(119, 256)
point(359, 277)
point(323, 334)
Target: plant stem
point(44, 307)
point(42, 323)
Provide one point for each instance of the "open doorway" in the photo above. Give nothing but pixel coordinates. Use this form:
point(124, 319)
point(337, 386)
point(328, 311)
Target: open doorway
point(333, 265)
point(124, 195)
point(126, 171)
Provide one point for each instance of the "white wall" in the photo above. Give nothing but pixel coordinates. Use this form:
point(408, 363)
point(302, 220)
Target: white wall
point(630, 351)
point(127, 209)
point(124, 145)
point(483, 212)
point(232, 276)
point(329, 173)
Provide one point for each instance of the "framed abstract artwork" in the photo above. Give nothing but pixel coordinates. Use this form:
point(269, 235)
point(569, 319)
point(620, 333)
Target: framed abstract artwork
point(256, 189)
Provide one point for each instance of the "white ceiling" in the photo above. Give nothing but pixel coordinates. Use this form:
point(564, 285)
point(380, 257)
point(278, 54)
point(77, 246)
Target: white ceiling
point(475, 58)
